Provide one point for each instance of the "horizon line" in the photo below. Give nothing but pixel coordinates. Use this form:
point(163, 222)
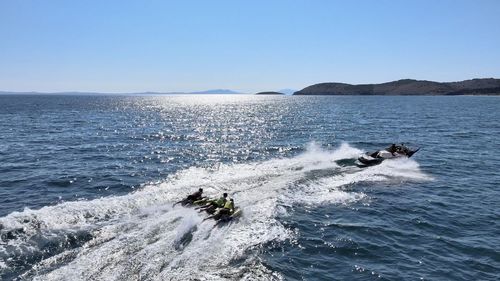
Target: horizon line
point(208, 92)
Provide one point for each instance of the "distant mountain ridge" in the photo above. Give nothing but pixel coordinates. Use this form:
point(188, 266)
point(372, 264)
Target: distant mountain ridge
point(207, 92)
point(216, 92)
point(483, 86)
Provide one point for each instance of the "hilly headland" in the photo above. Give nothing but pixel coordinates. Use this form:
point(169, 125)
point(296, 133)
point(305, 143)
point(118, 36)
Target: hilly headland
point(483, 86)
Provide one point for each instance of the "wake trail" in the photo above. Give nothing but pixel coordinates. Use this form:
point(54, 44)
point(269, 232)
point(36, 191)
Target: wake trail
point(140, 236)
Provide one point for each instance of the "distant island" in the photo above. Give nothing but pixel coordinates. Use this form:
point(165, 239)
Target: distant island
point(485, 86)
point(269, 93)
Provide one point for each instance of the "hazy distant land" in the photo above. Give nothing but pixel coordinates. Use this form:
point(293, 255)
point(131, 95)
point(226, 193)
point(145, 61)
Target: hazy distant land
point(76, 93)
point(404, 87)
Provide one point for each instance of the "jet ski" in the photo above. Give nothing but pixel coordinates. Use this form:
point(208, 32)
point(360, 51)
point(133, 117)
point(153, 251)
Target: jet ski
point(192, 202)
point(227, 218)
point(377, 157)
point(223, 217)
point(210, 209)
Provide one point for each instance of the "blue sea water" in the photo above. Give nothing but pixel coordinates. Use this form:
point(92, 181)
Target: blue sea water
point(87, 185)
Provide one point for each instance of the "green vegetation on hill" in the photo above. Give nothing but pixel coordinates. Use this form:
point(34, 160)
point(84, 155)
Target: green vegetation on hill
point(487, 86)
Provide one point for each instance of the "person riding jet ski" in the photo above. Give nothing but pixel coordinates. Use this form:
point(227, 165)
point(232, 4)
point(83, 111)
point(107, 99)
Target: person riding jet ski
point(393, 151)
point(190, 199)
point(225, 212)
point(212, 205)
point(235, 214)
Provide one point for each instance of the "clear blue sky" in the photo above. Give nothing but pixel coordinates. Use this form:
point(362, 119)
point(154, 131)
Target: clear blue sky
point(130, 46)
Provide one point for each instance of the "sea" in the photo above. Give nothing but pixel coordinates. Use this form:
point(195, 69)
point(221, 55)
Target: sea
point(87, 186)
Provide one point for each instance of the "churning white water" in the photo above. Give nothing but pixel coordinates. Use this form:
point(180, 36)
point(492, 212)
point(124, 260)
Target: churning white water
point(141, 236)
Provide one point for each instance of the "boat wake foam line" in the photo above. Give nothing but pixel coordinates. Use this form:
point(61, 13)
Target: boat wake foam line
point(140, 236)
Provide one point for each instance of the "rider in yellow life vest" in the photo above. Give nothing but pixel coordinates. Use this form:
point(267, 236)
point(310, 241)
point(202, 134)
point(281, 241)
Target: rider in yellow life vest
point(229, 205)
point(225, 212)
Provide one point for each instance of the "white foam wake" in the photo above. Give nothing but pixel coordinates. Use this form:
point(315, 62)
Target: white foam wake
point(140, 236)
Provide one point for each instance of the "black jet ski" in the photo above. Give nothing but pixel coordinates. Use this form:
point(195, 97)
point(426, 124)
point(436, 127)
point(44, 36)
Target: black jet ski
point(191, 201)
point(221, 217)
point(377, 157)
point(227, 218)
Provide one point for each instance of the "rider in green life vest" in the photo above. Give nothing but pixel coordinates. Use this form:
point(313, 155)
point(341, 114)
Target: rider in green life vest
point(225, 212)
point(216, 203)
point(221, 201)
